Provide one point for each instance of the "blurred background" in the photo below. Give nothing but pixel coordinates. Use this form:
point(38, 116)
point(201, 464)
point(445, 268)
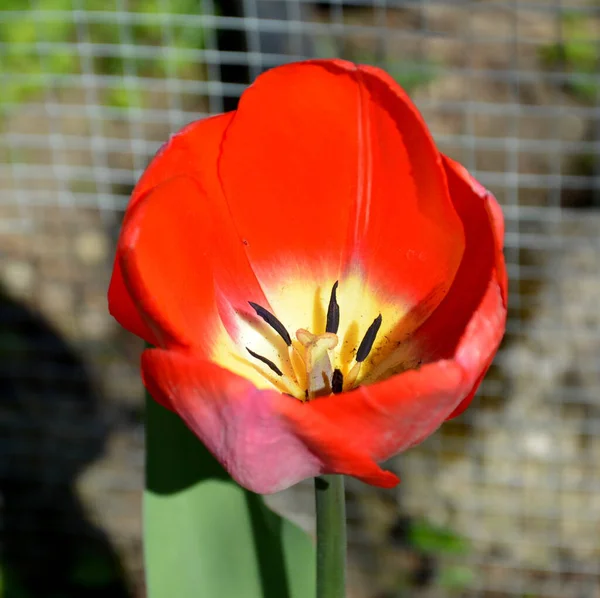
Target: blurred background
point(502, 502)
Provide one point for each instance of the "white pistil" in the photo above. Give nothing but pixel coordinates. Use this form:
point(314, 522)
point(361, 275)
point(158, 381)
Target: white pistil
point(319, 368)
point(298, 366)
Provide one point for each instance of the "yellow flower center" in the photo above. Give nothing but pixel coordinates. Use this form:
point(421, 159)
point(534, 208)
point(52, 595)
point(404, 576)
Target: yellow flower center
point(328, 359)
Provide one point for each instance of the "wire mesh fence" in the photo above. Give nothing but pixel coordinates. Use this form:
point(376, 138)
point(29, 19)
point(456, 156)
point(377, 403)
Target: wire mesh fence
point(504, 501)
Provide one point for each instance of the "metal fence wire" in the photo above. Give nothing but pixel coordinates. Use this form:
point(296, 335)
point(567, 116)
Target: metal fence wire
point(505, 500)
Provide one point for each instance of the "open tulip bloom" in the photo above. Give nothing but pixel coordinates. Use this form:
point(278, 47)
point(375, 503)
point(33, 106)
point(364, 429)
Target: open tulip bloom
point(323, 287)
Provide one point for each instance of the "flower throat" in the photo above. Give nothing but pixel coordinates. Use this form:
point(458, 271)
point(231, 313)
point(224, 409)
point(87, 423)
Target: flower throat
point(314, 362)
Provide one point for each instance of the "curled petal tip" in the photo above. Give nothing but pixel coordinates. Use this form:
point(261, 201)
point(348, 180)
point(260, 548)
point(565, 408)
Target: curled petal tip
point(384, 479)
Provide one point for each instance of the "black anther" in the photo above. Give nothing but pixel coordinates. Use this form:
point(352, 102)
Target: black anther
point(333, 311)
point(337, 381)
point(266, 361)
point(367, 342)
point(273, 322)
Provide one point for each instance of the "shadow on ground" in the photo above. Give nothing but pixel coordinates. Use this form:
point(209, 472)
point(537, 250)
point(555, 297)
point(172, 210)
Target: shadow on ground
point(50, 430)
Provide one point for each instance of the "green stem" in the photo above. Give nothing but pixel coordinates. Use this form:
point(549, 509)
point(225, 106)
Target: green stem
point(331, 536)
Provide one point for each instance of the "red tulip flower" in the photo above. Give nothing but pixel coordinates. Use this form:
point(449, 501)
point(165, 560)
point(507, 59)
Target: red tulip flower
point(322, 286)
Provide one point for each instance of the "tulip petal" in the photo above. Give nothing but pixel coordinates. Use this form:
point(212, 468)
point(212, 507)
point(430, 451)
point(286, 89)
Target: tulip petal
point(123, 309)
point(469, 324)
point(383, 419)
point(163, 258)
point(328, 169)
point(194, 152)
point(268, 441)
point(238, 423)
point(253, 433)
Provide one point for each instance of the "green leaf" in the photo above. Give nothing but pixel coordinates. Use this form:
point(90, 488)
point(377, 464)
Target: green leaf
point(93, 568)
point(205, 536)
point(434, 539)
point(10, 584)
point(457, 578)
